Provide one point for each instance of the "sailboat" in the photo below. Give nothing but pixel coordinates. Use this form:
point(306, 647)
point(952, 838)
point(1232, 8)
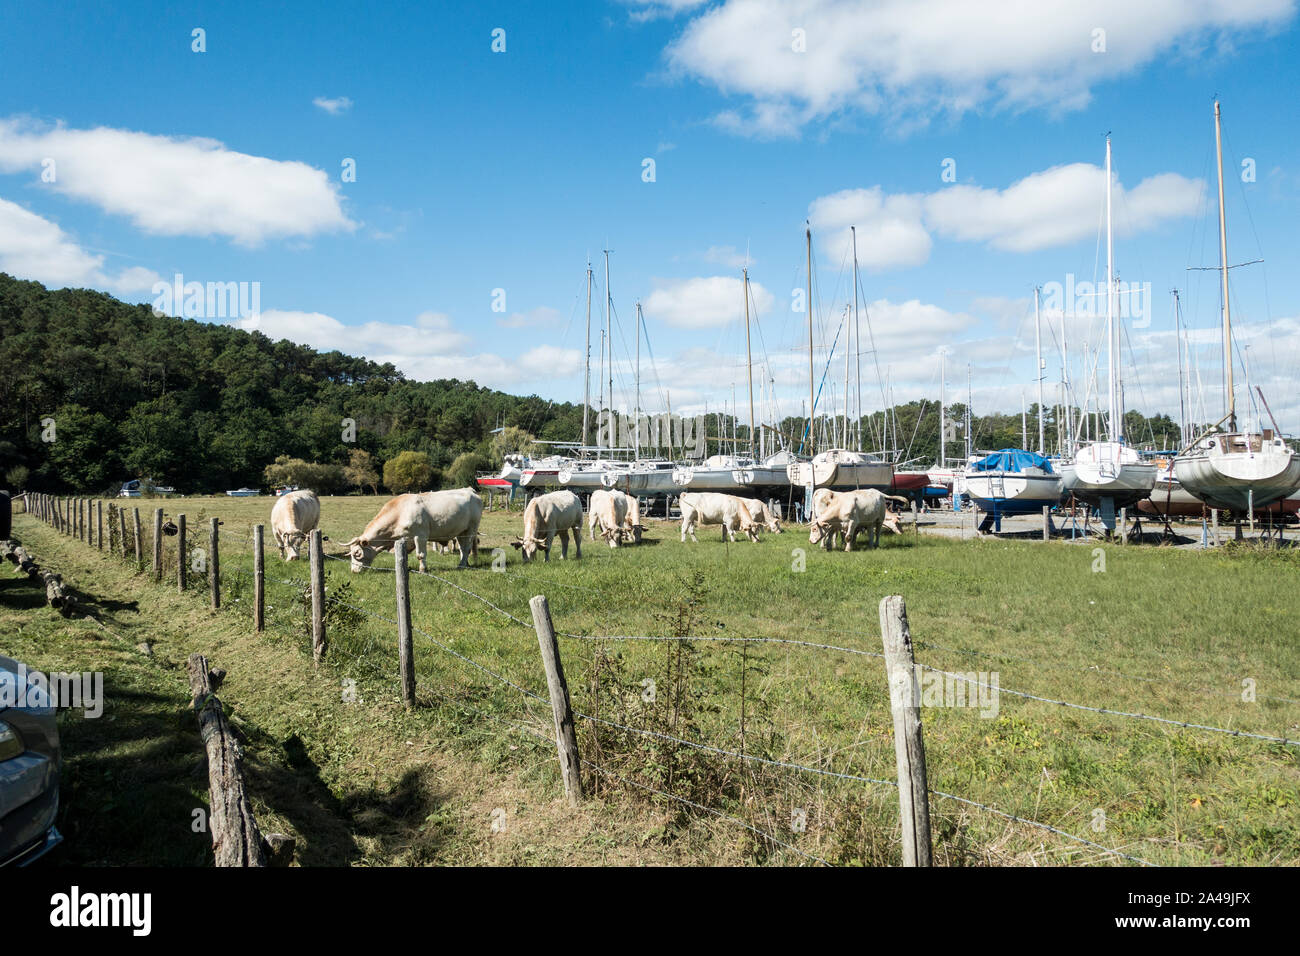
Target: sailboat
point(1235, 470)
point(1109, 475)
point(837, 468)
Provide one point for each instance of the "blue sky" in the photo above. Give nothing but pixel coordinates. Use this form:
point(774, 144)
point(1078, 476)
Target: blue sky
point(479, 171)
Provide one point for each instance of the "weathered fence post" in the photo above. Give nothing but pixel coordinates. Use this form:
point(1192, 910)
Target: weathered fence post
point(121, 531)
point(405, 643)
point(909, 745)
point(139, 542)
point(566, 737)
point(180, 553)
point(81, 519)
point(317, 598)
point(214, 564)
point(157, 544)
point(236, 840)
point(99, 525)
point(259, 581)
point(1047, 523)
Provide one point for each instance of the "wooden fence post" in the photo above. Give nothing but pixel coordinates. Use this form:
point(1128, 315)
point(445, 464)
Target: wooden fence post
point(909, 744)
point(259, 581)
point(214, 563)
point(180, 553)
point(1047, 523)
point(566, 738)
point(405, 642)
point(236, 840)
point(99, 525)
point(157, 544)
point(139, 543)
point(81, 519)
point(318, 640)
point(121, 530)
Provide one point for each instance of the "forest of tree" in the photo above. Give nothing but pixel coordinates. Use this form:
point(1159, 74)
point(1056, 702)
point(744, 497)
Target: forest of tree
point(206, 408)
point(94, 391)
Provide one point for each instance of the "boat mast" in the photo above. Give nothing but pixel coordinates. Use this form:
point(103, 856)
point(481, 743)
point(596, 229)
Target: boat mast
point(943, 408)
point(586, 379)
point(1223, 268)
point(636, 411)
point(1066, 399)
point(749, 362)
point(1024, 421)
point(1038, 349)
point(848, 347)
point(812, 398)
point(1110, 306)
point(1182, 388)
point(970, 397)
point(857, 340)
point(609, 342)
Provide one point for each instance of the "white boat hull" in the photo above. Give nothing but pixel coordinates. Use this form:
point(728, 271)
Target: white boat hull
point(1108, 471)
point(1233, 480)
point(1013, 493)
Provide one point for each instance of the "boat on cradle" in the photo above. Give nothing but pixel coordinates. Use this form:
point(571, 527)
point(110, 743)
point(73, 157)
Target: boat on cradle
point(506, 480)
point(642, 478)
point(716, 473)
point(543, 472)
point(770, 477)
point(1237, 471)
point(842, 470)
point(1011, 482)
point(243, 493)
point(585, 477)
point(1170, 499)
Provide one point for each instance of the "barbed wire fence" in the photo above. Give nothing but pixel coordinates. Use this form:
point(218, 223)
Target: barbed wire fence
point(297, 614)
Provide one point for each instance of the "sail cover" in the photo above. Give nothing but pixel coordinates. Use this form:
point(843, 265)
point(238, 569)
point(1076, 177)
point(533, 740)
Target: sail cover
point(1012, 459)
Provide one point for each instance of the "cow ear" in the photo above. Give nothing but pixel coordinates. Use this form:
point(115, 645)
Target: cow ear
point(516, 545)
point(364, 542)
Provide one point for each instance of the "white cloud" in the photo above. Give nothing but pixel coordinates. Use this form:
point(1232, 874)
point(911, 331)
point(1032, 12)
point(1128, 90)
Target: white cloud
point(429, 348)
point(541, 316)
point(703, 302)
point(911, 59)
point(32, 247)
point(179, 186)
point(333, 106)
point(727, 256)
point(1044, 209)
point(643, 10)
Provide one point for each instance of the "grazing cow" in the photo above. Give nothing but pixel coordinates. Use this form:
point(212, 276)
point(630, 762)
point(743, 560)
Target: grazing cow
point(436, 516)
point(712, 507)
point(764, 516)
point(608, 508)
point(849, 512)
point(559, 512)
point(293, 517)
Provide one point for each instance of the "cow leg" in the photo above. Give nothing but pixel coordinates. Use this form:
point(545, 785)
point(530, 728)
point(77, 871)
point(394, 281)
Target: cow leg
point(466, 546)
point(550, 539)
point(577, 542)
point(564, 544)
point(421, 545)
point(850, 532)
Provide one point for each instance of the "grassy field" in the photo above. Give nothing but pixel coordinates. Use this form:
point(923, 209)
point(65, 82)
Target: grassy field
point(1145, 630)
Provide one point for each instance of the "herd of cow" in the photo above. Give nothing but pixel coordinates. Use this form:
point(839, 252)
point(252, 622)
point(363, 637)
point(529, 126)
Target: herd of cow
point(448, 519)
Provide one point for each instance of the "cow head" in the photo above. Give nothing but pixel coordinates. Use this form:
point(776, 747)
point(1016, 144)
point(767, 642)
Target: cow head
point(529, 547)
point(293, 543)
point(773, 523)
point(362, 553)
point(818, 530)
point(891, 523)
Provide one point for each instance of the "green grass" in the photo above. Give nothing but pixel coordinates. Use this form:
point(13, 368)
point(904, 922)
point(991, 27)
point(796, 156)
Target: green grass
point(1161, 631)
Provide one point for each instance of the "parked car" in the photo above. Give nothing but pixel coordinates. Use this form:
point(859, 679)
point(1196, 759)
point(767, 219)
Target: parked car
point(29, 767)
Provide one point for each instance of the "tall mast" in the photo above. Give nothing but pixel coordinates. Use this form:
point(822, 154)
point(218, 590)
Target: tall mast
point(749, 361)
point(1066, 400)
point(970, 397)
point(847, 349)
point(1229, 394)
point(943, 408)
point(857, 343)
point(1182, 393)
point(586, 379)
point(1024, 422)
point(1110, 307)
point(636, 411)
point(1038, 348)
point(812, 398)
point(609, 341)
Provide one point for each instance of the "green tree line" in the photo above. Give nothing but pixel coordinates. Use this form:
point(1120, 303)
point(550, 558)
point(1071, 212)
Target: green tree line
point(94, 391)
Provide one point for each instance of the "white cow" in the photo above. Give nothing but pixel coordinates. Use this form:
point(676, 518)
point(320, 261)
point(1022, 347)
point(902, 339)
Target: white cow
point(764, 516)
point(559, 512)
point(437, 516)
point(847, 513)
point(712, 507)
point(608, 509)
point(293, 517)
